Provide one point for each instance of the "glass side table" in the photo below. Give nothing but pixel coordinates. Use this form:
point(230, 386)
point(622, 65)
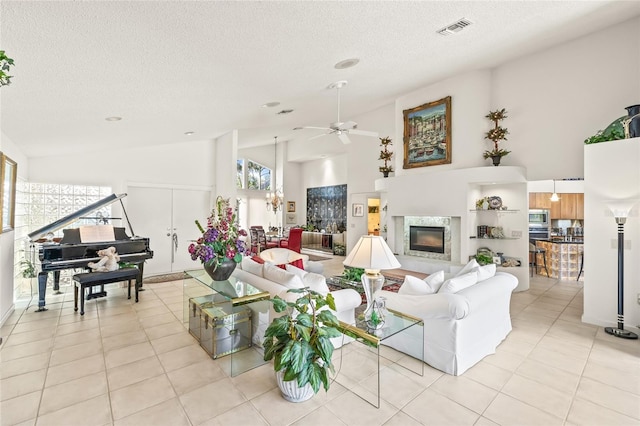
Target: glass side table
point(395, 324)
point(228, 318)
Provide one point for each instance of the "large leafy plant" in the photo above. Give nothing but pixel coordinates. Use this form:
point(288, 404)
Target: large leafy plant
point(5, 65)
point(299, 341)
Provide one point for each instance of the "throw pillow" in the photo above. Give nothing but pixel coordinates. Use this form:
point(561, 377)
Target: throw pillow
point(458, 283)
point(485, 272)
point(435, 281)
point(316, 282)
point(257, 259)
point(282, 277)
point(468, 267)
point(414, 286)
point(251, 266)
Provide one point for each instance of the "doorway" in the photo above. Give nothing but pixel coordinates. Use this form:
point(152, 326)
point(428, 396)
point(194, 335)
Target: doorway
point(373, 216)
point(166, 216)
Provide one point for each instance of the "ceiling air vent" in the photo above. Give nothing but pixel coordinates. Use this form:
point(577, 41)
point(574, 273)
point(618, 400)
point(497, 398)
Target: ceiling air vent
point(456, 27)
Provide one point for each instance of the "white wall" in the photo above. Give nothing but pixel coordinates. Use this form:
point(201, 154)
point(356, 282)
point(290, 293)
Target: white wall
point(559, 97)
point(600, 240)
point(189, 164)
point(7, 245)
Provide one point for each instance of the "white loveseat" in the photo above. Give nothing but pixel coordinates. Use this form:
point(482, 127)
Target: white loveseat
point(279, 256)
point(460, 328)
point(276, 281)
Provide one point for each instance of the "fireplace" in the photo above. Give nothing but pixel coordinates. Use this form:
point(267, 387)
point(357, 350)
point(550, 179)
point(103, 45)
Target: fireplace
point(427, 238)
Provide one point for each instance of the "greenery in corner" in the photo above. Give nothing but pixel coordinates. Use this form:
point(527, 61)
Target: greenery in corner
point(385, 154)
point(497, 134)
point(352, 274)
point(27, 270)
point(484, 259)
point(299, 341)
point(5, 64)
point(614, 131)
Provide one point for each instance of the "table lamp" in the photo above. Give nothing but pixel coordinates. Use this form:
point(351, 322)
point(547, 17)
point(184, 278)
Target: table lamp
point(620, 210)
point(372, 254)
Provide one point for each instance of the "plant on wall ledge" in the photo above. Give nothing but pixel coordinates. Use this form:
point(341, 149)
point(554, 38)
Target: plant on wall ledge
point(5, 64)
point(613, 132)
point(496, 135)
point(385, 155)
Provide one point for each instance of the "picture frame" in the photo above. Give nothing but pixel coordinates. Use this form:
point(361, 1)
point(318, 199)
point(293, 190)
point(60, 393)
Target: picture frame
point(8, 174)
point(357, 210)
point(290, 219)
point(291, 206)
point(427, 134)
point(496, 260)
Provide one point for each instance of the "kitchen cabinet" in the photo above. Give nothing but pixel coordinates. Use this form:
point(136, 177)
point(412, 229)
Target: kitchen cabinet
point(580, 206)
point(540, 200)
point(555, 209)
point(568, 206)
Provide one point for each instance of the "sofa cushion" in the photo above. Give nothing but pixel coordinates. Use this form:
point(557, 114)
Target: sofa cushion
point(485, 272)
point(460, 282)
point(282, 277)
point(316, 282)
point(251, 266)
point(418, 287)
point(468, 267)
point(257, 259)
point(295, 270)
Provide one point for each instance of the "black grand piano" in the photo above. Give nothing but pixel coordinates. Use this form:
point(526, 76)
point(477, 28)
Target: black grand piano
point(71, 252)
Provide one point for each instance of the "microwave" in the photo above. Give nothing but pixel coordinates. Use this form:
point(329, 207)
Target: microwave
point(538, 217)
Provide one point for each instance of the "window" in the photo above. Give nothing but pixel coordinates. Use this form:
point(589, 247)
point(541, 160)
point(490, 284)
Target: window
point(240, 173)
point(258, 176)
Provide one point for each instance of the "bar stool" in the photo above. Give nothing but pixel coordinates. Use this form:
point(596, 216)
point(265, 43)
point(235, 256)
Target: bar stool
point(581, 265)
point(533, 259)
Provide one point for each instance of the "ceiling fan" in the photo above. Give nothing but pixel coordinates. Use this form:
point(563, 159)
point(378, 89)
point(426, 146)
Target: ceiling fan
point(339, 128)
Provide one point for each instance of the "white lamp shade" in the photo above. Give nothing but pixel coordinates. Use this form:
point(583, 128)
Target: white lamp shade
point(621, 208)
point(371, 252)
point(554, 197)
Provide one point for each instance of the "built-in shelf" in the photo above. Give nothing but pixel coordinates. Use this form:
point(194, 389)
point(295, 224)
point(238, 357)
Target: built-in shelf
point(494, 210)
point(491, 238)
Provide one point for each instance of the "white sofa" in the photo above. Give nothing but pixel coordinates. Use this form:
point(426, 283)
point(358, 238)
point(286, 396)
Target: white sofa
point(280, 255)
point(459, 328)
point(277, 282)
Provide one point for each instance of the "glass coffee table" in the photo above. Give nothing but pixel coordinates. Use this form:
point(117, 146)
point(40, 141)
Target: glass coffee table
point(376, 356)
point(226, 318)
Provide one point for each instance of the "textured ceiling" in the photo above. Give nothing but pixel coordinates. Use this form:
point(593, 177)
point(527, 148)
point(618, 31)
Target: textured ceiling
point(168, 67)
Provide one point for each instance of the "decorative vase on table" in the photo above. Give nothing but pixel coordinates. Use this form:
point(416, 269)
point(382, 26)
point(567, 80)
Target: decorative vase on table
point(634, 125)
point(220, 271)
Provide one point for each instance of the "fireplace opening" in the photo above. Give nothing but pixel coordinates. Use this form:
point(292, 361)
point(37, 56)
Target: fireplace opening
point(426, 238)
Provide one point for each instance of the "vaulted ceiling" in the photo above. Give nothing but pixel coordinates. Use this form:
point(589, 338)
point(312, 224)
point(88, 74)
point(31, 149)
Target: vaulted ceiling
point(171, 67)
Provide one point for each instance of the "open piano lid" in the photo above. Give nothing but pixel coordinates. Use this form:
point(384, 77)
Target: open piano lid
point(61, 223)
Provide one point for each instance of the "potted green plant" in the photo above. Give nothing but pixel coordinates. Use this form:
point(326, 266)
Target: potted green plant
point(5, 64)
point(299, 343)
point(385, 155)
point(496, 135)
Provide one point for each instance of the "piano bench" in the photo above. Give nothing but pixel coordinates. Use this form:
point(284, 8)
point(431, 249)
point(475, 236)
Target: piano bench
point(91, 279)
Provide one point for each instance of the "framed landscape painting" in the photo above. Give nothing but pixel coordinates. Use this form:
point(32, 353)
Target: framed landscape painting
point(427, 134)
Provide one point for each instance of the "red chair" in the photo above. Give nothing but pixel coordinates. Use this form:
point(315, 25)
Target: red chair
point(294, 242)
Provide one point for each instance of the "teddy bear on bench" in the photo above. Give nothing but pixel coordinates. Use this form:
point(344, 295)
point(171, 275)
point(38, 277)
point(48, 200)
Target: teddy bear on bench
point(108, 261)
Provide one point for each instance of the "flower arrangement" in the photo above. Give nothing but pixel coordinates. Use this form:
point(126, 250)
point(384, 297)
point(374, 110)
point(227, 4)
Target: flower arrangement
point(221, 239)
point(497, 134)
point(385, 155)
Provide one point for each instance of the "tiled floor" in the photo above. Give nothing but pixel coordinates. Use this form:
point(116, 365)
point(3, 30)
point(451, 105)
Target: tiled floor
point(124, 363)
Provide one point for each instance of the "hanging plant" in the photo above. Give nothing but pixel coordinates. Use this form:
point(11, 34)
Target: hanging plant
point(5, 64)
point(497, 134)
point(385, 155)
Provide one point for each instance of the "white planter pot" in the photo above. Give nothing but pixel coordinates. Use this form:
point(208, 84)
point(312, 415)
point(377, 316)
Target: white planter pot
point(291, 391)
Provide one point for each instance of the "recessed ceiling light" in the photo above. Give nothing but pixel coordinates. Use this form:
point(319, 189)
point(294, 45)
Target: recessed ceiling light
point(113, 118)
point(284, 111)
point(270, 104)
point(189, 133)
point(347, 63)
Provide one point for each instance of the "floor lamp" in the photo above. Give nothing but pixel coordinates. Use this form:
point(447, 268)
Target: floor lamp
point(620, 210)
point(372, 254)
